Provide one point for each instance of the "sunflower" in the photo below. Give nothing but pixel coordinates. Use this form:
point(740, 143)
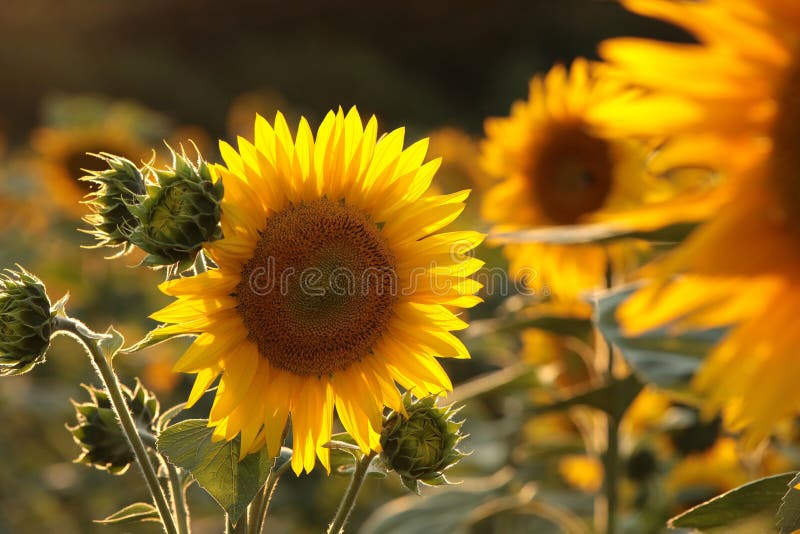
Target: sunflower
point(64, 153)
point(730, 102)
point(460, 154)
point(332, 286)
point(702, 475)
point(556, 169)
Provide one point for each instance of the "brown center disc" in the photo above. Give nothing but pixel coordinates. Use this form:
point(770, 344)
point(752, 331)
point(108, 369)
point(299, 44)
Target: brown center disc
point(572, 175)
point(320, 288)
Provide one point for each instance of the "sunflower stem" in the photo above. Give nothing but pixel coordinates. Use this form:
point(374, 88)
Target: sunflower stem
point(611, 456)
point(89, 340)
point(178, 500)
point(349, 499)
point(260, 506)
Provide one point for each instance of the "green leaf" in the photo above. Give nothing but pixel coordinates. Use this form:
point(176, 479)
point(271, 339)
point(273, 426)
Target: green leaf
point(762, 496)
point(215, 465)
point(658, 357)
point(111, 343)
point(594, 233)
point(154, 337)
point(166, 418)
point(789, 511)
point(613, 398)
point(140, 511)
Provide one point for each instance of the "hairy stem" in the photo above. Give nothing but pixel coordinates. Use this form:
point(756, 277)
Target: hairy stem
point(178, 500)
point(260, 506)
point(611, 457)
point(89, 340)
point(349, 499)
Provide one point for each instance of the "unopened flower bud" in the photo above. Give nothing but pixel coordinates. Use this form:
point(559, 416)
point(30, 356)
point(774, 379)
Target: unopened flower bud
point(118, 187)
point(98, 433)
point(179, 213)
point(26, 322)
point(421, 444)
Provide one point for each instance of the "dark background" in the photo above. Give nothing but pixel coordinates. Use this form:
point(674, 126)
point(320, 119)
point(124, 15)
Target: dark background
point(425, 62)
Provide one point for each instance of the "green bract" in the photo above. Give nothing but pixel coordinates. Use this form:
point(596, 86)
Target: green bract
point(103, 444)
point(421, 444)
point(179, 212)
point(118, 186)
point(26, 322)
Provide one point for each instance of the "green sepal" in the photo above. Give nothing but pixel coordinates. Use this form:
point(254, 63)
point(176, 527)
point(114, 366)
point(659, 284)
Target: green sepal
point(133, 513)
point(111, 343)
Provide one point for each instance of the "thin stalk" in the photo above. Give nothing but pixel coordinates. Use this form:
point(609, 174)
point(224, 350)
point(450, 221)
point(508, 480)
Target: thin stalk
point(178, 500)
point(260, 506)
point(611, 456)
point(88, 339)
point(349, 499)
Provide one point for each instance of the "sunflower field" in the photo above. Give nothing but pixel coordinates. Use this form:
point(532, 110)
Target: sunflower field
point(350, 267)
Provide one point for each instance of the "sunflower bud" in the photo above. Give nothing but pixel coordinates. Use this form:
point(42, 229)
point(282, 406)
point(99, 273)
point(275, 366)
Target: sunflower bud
point(179, 213)
point(420, 444)
point(26, 322)
point(118, 187)
point(98, 433)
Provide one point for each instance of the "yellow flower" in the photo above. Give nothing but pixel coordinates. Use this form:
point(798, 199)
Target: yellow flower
point(646, 414)
point(332, 285)
point(65, 152)
point(460, 155)
point(731, 103)
point(540, 347)
point(556, 169)
point(715, 101)
point(716, 471)
point(582, 472)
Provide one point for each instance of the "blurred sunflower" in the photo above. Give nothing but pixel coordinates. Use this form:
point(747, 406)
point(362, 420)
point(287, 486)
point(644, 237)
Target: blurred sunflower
point(76, 126)
point(460, 155)
point(731, 102)
point(702, 475)
point(556, 169)
point(332, 285)
point(265, 102)
point(582, 472)
point(64, 153)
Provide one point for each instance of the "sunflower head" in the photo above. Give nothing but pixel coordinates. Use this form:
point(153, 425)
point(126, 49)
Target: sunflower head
point(26, 322)
point(421, 443)
point(179, 213)
point(97, 432)
point(333, 285)
point(555, 166)
point(117, 187)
